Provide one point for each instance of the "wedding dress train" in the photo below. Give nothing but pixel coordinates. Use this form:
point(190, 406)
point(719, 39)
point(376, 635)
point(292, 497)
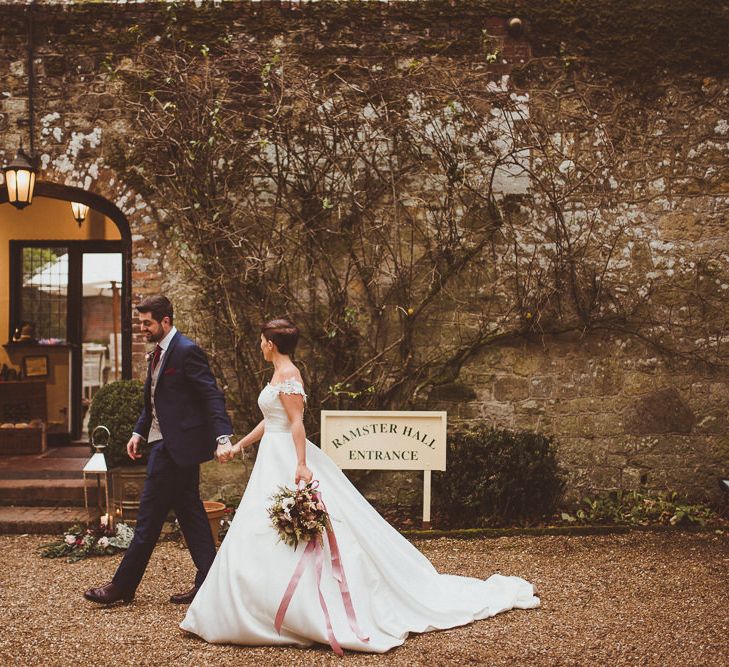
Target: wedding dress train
point(394, 588)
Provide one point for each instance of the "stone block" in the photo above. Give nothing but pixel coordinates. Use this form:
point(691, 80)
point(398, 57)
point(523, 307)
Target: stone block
point(715, 421)
point(718, 449)
point(452, 392)
point(527, 363)
point(664, 461)
point(469, 411)
point(595, 479)
point(508, 388)
point(636, 383)
point(579, 452)
point(620, 445)
point(670, 444)
point(497, 414)
point(615, 460)
point(662, 411)
point(607, 424)
point(15, 106)
point(579, 426)
point(632, 479)
point(719, 392)
point(608, 380)
point(582, 382)
point(541, 386)
point(530, 407)
point(566, 389)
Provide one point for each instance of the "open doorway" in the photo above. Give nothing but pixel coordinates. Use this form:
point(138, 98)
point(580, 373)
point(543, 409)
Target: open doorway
point(101, 350)
point(65, 308)
point(67, 302)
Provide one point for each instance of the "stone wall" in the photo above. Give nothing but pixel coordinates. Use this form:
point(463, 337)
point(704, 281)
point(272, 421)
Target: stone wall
point(628, 411)
point(624, 418)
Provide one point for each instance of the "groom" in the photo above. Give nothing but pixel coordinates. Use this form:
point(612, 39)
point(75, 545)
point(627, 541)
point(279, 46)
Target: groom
point(184, 421)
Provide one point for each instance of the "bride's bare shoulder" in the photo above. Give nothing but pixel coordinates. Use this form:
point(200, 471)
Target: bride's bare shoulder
point(290, 373)
point(287, 376)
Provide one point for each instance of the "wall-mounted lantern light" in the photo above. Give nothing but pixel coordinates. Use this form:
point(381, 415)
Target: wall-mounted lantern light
point(79, 212)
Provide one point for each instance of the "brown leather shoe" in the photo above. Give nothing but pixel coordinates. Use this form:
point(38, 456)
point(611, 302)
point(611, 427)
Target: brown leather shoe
point(184, 598)
point(108, 594)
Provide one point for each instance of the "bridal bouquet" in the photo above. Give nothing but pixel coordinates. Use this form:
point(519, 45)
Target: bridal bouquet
point(298, 515)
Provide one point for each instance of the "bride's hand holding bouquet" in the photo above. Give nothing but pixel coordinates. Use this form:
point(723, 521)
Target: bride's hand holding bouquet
point(303, 474)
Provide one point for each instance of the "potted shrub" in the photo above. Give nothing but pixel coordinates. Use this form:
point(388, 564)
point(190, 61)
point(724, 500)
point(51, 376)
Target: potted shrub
point(117, 406)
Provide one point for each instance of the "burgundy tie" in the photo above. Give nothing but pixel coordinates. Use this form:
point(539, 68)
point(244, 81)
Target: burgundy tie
point(155, 358)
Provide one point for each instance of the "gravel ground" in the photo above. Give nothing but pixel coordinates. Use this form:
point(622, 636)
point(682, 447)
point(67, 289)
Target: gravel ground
point(635, 599)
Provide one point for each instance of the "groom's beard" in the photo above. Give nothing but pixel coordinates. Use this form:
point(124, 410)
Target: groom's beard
point(155, 338)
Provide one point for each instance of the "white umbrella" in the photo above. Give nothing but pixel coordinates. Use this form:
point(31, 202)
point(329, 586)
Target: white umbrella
point(98, 273)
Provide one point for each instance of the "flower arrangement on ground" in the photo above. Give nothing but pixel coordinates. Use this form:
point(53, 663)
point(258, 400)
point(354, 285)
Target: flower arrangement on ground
point(79, 543)
point(298, 515)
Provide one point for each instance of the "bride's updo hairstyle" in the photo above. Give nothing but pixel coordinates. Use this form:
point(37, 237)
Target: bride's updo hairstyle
point(283, 333)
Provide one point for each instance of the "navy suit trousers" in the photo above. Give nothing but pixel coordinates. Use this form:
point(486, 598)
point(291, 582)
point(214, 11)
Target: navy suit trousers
point(168, 486)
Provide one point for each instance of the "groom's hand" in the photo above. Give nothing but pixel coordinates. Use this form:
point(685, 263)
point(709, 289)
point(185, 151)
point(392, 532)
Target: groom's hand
point(224, 451)
point(133, 447)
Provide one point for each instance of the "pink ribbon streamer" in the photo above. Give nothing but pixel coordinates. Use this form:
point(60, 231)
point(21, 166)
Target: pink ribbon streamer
point(338, 570)
point(314, 549)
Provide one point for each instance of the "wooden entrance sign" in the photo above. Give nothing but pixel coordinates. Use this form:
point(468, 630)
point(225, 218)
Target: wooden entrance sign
point(387, 440)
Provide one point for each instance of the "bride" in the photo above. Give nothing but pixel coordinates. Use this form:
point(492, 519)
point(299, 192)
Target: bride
point(394, 588)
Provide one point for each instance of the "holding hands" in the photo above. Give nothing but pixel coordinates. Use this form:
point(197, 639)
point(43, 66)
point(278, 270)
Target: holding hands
point(225, 451)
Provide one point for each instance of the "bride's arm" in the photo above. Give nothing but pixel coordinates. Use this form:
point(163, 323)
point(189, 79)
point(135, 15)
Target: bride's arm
point(253, 437)
point(294, 406)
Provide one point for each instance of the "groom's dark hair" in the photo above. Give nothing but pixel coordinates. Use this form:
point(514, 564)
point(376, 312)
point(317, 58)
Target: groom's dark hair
point(159, 306)
point(283, 333)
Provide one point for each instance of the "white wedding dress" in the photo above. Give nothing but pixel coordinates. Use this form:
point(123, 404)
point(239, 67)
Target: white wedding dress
point(394, 588)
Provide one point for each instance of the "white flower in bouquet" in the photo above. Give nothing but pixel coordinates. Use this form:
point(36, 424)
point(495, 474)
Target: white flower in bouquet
point(288, 503)
point(123, 537)
point(103, 542)
point(69, 539)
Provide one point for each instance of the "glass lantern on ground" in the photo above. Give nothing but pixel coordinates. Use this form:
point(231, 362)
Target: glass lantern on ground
point(96, 465)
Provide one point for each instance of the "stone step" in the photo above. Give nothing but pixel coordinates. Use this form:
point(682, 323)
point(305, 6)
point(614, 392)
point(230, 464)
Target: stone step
point(49, 492)
point(69, 452)
point(43, 520)
point(42, 474)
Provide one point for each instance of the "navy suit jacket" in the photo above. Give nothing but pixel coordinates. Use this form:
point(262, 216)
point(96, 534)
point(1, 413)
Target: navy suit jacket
point(190, 406)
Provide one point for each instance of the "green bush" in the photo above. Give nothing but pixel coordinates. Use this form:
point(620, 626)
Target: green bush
point(497, 477)
point(640, 509)
point(117, 406)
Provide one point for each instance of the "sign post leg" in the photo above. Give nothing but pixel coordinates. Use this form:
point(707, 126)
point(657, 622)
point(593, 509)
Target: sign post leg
point(426, 499)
